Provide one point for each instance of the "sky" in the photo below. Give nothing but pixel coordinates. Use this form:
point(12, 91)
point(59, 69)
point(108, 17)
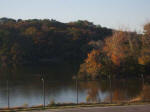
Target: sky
point(117, 14)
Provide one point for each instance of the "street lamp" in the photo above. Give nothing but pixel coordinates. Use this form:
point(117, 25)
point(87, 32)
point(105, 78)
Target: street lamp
point(8, 93)
point(77, 87)
point(110, 88)
point(43, 81)
point(142, 76)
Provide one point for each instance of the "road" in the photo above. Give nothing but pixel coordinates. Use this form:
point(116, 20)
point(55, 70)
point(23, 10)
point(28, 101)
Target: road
point(134, 108)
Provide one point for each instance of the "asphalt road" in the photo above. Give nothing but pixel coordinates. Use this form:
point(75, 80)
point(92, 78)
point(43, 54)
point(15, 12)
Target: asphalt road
point(135, 108)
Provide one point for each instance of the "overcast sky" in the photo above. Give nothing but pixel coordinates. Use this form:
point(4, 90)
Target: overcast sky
point(130, 14)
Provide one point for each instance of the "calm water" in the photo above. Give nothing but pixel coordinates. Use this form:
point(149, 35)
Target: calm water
point(28, 90)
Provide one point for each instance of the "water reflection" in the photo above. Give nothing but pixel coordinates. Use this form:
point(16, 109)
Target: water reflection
point(96, 90)
point(30, 92)
point(126, 90)
point(26, 88)
point(144, 95)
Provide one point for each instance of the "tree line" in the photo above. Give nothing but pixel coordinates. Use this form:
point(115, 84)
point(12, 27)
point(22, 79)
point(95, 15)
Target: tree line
point(35, 41)
point(96, 51)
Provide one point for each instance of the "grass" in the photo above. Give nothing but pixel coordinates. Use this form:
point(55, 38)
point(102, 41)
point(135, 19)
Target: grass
point(70, 105)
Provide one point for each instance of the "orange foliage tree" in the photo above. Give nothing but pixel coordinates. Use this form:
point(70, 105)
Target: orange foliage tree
point(93, 64)
point(144, 56)
point(121, 46)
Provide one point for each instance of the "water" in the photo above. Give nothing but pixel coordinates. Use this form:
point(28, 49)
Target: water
point(28, 90)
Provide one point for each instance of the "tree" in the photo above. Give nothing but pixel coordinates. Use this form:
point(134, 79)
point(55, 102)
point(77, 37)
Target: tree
point(93, 64)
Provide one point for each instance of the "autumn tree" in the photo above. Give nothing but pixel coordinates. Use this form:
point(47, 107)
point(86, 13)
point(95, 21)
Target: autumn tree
point(123, 49)
point(144, 56)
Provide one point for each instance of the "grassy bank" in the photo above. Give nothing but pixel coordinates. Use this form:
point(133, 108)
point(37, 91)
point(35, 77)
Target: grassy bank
point(69, 105)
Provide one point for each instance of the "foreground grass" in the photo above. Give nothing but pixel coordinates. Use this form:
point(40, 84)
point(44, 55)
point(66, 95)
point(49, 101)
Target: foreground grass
point(70, 105)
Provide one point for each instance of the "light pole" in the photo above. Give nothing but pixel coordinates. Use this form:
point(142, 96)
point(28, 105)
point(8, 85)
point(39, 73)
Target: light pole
point(110, 89)
point(8, 93)
point(99, 99)
point(43, 81)
point(142, 76)
point(77, 87)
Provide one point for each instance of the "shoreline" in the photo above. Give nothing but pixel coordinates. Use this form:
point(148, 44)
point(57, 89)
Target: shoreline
point(70, 105)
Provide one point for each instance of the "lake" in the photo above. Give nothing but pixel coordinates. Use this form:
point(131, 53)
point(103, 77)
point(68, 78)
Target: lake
point(26, 88)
